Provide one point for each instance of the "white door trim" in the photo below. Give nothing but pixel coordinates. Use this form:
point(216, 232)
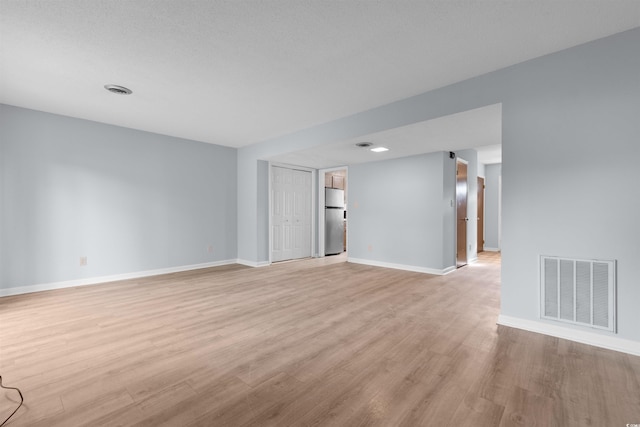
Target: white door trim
point(500, 212)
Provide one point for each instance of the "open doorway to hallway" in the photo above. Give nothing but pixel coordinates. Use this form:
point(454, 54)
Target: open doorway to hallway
point(332, 226)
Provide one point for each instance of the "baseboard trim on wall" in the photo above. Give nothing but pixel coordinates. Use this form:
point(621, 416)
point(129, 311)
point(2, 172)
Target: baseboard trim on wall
point(449, 269)
point(401, 266)
point(112, 278)
point(491, 249)
point(584, 337)
point(252, 263)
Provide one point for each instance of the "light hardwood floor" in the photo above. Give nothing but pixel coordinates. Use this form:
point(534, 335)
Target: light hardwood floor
point(315, 342)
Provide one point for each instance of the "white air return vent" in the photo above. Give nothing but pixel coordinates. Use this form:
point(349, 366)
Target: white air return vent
point(578, 291)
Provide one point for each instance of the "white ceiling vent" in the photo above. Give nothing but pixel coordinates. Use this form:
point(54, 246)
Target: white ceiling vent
point(578, 291)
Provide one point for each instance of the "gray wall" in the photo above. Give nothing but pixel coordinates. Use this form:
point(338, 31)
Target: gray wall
point(481, 169)
point(263, 178)
point(570, 149)
point(570, 141)
point(396, 209)
point(129, 201)
point(492, 206)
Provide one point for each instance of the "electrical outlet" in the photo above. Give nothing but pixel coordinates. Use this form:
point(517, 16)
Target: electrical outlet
point(370, 248)
point(83, 261)
point(210, 248)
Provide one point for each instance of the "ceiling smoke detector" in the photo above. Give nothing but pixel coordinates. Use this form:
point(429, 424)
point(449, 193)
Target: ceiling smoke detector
point(364, 144)
point(119, 90)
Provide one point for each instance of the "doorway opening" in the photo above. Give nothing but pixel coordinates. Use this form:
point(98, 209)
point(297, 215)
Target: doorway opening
point(480, 238)
point(462, 190)
point(332, 224)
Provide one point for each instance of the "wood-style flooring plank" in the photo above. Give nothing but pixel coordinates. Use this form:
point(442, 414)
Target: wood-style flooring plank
point(318, 342)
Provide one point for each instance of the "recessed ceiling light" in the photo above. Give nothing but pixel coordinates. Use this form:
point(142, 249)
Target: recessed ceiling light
point(120, 90)
point(379, 149)
point(364, 144)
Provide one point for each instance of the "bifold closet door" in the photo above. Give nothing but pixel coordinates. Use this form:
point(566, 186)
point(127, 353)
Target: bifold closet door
point(301, 214)
point(290, 214)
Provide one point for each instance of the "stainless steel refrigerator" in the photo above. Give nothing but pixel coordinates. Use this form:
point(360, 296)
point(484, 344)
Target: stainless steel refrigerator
point(333, 221)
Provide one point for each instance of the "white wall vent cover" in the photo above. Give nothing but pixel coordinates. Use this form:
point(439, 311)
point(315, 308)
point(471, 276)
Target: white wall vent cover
point(578, 291)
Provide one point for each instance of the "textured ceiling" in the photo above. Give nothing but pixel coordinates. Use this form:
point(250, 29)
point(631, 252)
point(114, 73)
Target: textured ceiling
point(239, 72)
point(480, 129)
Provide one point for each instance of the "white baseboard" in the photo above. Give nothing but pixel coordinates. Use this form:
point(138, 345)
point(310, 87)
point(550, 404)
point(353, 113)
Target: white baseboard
point(401, 266)
point(112, 278)
point(584, 337)
point(491, 249)
point(449, 269)
point(253, 263)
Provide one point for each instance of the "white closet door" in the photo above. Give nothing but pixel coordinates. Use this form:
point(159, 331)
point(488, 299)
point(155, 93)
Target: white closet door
point(301, 214)
point(281, 214)
point(290, 214)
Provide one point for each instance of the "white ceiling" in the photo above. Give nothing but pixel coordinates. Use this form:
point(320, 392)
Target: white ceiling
point(239, 72)
point(480, 129)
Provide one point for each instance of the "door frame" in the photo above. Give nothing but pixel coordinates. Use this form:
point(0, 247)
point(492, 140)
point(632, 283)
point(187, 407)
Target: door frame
point(314, 220)
point(500, 211)
point(455, 242)
point(480, 192)
point(320, 206)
